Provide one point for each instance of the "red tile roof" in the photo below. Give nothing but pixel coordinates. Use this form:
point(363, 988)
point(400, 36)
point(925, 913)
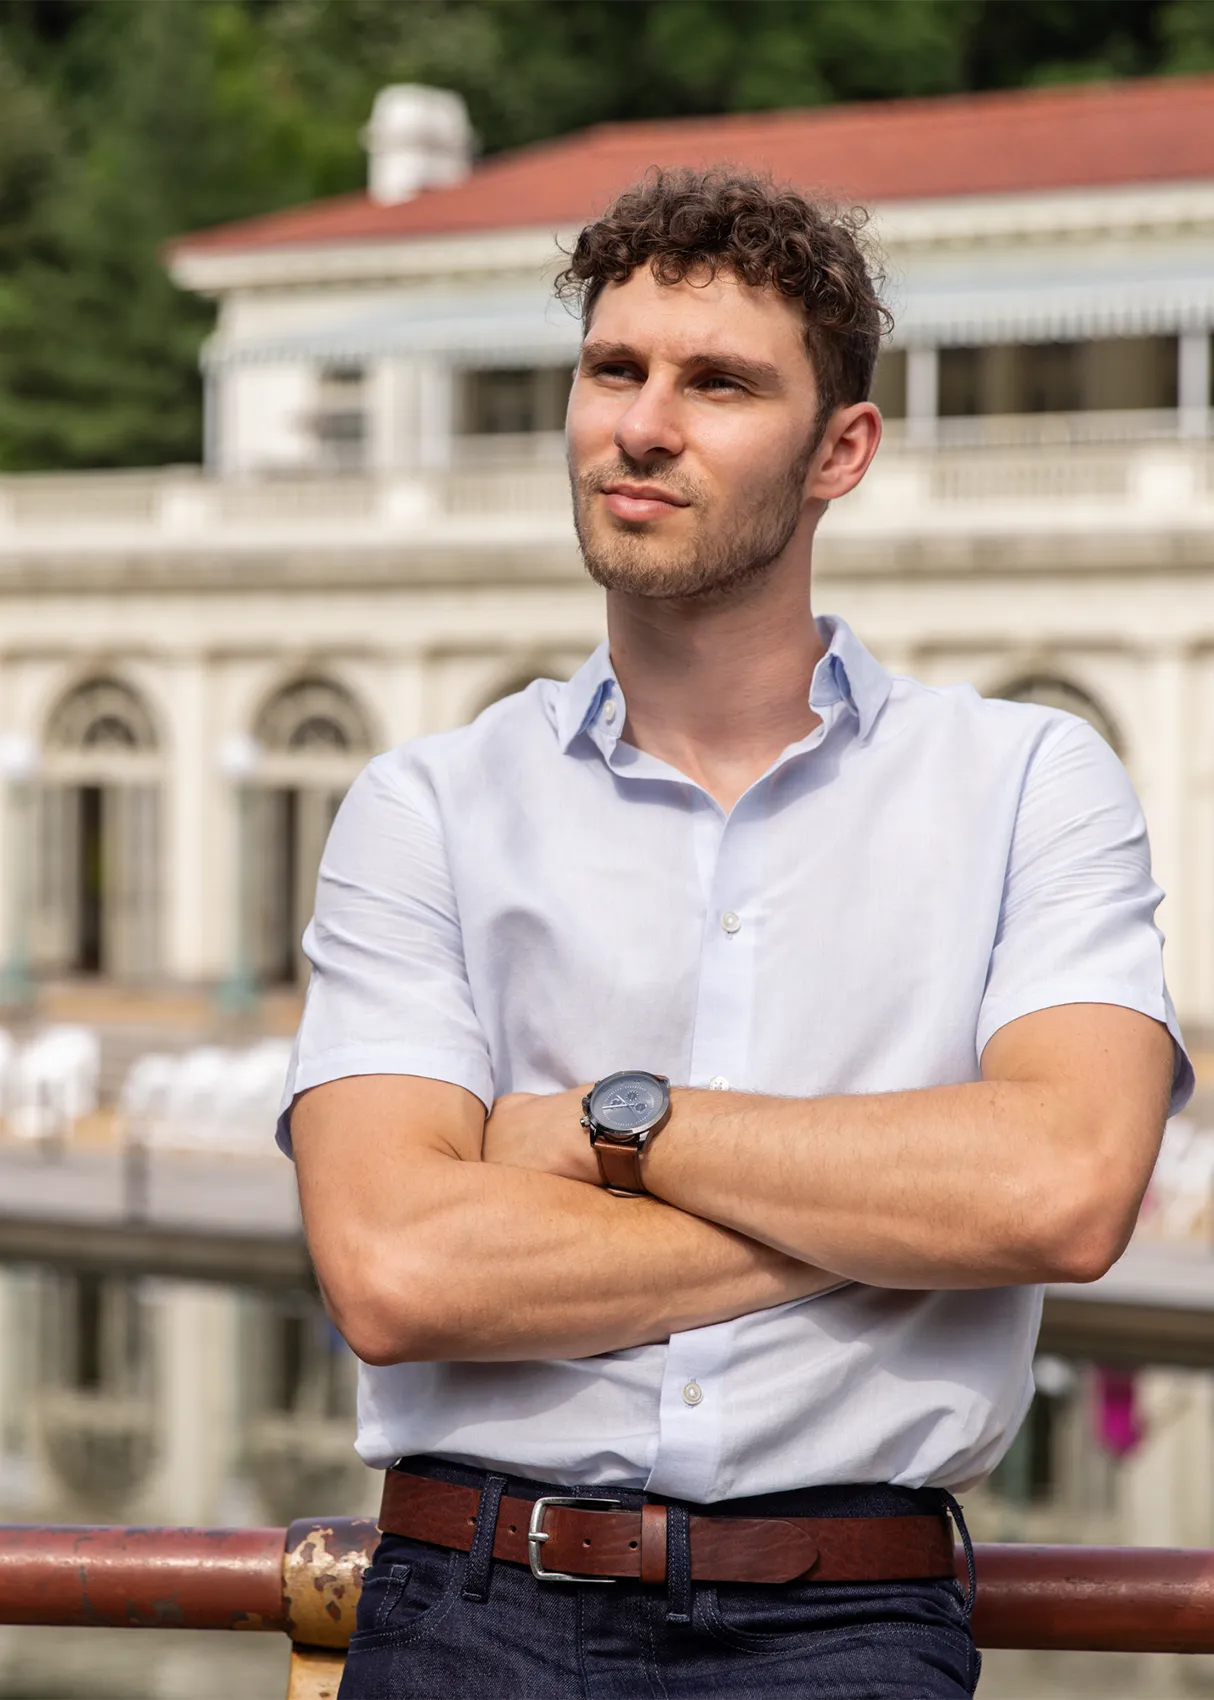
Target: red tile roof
point(1059, 138)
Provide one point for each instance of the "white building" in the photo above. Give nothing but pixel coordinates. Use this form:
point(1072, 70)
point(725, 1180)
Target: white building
point(380, 541)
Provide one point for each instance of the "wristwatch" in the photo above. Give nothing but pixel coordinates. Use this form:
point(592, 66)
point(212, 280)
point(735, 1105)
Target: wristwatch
point(623, 1112)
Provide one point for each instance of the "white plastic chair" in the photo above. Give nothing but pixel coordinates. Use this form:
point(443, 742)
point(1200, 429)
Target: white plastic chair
point(55, 1081)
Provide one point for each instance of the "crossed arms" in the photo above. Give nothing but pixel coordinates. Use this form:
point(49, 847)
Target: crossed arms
point(438, 1234)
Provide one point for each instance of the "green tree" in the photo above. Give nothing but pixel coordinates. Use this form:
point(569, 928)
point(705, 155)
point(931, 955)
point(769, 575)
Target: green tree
point(98, 350)
point(31, 156)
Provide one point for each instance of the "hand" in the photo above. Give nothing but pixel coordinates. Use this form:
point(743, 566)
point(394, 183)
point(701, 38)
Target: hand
point(541, 1131)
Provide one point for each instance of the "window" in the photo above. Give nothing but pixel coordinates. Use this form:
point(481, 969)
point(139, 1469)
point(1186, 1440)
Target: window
point(889, 383)
point(341, 417)
point(513, 401)
point(315, 737)
point(101, 715)
point(1128, 373)
point(95, 903)
point(314, 715)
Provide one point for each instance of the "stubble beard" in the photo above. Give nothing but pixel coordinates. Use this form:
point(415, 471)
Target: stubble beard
point(716, 562)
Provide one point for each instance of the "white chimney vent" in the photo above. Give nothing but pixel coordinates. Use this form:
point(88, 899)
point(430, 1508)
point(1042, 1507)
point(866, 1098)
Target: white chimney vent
point(418, 138)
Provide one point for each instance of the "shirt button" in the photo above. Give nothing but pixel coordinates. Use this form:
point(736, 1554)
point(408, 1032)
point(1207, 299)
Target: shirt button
point(609, 712)
point(693, 1393)
point(730, 923)
point(718, 1083)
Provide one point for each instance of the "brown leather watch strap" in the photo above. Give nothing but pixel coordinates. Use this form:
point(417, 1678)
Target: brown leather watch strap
point(620, 1166)
point(632, 1544)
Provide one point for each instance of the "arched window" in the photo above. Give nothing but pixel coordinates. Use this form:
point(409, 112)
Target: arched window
point(96, 851)
point(1052, 691)
point(313, 737)
point(313, 716)
point(102, 714)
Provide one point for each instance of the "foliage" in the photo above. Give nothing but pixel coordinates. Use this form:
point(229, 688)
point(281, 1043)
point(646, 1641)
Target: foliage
point(123, 122)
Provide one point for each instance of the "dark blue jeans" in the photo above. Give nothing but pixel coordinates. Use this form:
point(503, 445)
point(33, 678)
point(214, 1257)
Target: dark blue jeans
point(441, 1625)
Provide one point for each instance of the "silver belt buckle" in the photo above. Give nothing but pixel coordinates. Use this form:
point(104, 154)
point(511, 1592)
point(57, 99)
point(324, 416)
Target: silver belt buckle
point(536, 1538)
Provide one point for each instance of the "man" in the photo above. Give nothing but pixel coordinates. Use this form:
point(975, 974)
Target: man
point(894, 948)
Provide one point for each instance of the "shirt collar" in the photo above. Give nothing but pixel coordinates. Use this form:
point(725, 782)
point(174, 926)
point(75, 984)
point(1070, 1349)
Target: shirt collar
point(579, 701)
point(846, 674)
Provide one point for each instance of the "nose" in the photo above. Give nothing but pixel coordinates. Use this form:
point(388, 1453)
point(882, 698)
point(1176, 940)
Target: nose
point(649, 428)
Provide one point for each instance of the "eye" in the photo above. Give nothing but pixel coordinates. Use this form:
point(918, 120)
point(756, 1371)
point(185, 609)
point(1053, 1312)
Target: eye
point(720, 383)
point(614, 371)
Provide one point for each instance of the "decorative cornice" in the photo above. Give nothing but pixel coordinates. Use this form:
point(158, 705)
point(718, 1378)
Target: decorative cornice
point(1144, 212)
point(910, 559)
point(531, 254)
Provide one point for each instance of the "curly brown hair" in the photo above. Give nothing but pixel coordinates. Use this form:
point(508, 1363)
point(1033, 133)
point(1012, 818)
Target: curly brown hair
point(683, 222)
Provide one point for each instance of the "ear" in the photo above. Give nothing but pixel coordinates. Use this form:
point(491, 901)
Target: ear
point(845, 452)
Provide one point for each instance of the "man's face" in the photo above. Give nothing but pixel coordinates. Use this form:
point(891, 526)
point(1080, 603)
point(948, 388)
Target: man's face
point(691, 432)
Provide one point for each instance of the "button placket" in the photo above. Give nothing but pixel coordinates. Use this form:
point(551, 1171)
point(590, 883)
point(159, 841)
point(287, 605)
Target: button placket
point(691, 1424)
point(724, 1005)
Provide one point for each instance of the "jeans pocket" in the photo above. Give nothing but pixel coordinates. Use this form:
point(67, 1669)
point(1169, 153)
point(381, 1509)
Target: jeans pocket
point(401, 1597)
point(757, 1617)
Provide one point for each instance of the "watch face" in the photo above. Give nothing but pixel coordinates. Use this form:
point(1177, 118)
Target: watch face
point(626, 1103)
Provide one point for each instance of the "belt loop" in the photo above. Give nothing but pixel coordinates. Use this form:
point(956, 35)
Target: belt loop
point(678, 1564)
point(480, 1554)
point(653, 1543)
point(971, 1575)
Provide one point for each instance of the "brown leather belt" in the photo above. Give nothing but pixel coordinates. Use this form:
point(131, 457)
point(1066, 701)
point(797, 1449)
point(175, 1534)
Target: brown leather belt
point(570, 1540)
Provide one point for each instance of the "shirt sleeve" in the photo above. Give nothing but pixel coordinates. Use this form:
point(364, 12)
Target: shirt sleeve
point(1077, 923)
point(389, 989)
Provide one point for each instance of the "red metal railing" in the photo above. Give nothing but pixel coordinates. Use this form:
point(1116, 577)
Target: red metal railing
point(304, 1582)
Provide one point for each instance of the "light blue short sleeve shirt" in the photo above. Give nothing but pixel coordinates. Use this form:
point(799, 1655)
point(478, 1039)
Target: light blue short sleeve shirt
point(530, 902)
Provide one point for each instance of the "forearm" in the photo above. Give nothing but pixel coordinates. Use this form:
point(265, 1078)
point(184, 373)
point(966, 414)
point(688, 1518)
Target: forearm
point(961, 1186)
point(487, 1262)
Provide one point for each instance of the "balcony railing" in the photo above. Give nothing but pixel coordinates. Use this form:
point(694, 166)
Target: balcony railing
point(1106, 471)
point(303, 1582)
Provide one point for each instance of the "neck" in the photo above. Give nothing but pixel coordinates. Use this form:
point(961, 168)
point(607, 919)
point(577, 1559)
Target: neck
point(717, 690)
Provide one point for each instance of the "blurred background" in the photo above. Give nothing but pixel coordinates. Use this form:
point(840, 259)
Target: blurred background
point(281, 485)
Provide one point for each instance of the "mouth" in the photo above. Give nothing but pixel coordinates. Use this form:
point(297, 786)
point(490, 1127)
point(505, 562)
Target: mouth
point(640, 502)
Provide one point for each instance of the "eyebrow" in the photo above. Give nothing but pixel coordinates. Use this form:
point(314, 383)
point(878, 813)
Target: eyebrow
point(760, 372)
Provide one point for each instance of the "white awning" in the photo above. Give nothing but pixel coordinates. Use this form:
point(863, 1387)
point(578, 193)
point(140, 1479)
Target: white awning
point(944, 312)
point(531, 330)
point(945, 308)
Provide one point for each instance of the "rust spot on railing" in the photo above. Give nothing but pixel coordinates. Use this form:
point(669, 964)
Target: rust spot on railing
point(322, 1576)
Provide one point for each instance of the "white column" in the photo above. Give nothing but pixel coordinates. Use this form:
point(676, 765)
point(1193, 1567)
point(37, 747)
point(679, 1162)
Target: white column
point(922, 394)
point(435, 413)
point(210, 420)
point(1193, 383)
point(190, 949)
point(382, 413)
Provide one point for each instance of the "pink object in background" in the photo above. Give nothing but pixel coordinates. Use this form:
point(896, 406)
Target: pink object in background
point(1118, 1427)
